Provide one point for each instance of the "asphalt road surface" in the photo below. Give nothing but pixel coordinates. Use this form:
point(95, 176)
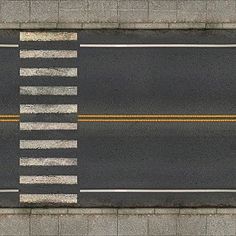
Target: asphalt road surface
point(118, 118)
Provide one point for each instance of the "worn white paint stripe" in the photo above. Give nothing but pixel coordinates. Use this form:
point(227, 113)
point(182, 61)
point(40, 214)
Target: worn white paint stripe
point(48, 198)
point(48, 36)
point(48, 161)
point(158, 190)
point(9, 45)
point(48, 90)
point(51, 179)
point(60, 72)
point(47, 108)
point(9, 190)
point(157, 45)
point(47, 126)
point(48, 54)
point(48, 144)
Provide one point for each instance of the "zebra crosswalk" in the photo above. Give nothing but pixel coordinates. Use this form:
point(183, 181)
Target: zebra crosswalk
point(48, 126)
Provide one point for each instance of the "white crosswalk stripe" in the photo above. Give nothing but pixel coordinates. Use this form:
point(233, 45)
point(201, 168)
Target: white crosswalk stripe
point(55, 179)
point(25, 161)
point(51, 72)
point(48, 54)
point(48, 127)
point(48, 90)
point(49, 198)
point(47, 108)
point(48, 36)
point(48, 144)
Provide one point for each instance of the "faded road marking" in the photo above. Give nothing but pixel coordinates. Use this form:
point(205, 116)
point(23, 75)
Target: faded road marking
point(25, 161)
point(48, 108)
point(48, 36)
point(49, 198)
point(48, 90)
point(48, 54)
point(48, 144)
point(51, 72)
point(52, 179)
point(47, 126)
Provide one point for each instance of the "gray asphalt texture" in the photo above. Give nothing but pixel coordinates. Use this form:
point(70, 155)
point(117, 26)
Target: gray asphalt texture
point(157, 155)
point(132, 155)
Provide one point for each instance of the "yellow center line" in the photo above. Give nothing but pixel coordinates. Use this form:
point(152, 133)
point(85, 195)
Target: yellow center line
point(9, 120)
point(140, 118)
point(154, 116)
point(9, 116)
point(157, 120)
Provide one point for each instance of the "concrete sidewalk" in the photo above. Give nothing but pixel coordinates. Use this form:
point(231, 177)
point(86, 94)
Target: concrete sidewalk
point(123, 14)
point(140, 221)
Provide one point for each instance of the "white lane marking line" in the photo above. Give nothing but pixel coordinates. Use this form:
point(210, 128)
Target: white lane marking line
point(48, 90)
point(48, 144)
point(47, 126)
point(9, 45)
point(9, 190)
point(51, 72)
point(48, 36)
point(48, 198)
point(158, 190)
point(51, 179)
point(47, 108)
point(24, 161)
point(157, 45)
point(48, 54)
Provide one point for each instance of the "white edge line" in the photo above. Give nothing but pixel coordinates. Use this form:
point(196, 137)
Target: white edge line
point(157, 45)
point(158, 190)
point(9, 190)
point(9, 45)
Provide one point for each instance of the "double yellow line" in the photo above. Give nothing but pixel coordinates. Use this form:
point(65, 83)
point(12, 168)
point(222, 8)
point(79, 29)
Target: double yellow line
point(9, 118)
point(154, 118)
point(138, 118)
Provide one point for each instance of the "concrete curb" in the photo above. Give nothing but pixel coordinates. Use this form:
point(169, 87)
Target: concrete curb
point(117, 211)
point(153, 26)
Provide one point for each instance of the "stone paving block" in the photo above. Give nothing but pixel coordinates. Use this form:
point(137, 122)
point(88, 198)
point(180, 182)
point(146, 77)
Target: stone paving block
point(191, 11)
point(221, 225)
point(102, 11)
point(162, 11)
point(44, 225)
point(187, 25)
point(73, 225)
point(214, 25)
point(133, 11)
point(221, 11)
point(41, 25)
point(191, 225)
point(163, 225)
point(144, 25)
point(136, 211)
point(132, 225)
point(44, 11)
point(9, 25)
point(164, 211)
point(69, 25)
point(73, 11)
point(100, 25)
point(14, 225)
point(229, 25)
point(92, 211)
point(14, 11)
point(50, 211)
point(198, 211)
point(102, 225)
